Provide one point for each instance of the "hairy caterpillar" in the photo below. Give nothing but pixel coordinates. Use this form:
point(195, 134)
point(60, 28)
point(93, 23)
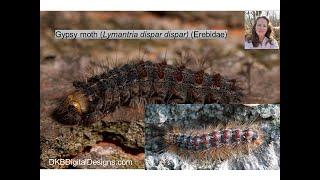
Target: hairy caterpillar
point(215, 142)
point(212, 136)
point(153, 82)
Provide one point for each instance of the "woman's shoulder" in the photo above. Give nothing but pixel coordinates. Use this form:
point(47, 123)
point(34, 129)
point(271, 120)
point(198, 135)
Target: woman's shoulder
point(248, 44)
point(274, 43)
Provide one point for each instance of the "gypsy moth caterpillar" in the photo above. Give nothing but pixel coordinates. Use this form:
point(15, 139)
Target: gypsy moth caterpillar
point(217, 142)
point(148, 82)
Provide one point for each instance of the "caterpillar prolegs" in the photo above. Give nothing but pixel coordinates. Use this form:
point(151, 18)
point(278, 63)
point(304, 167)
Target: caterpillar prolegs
point(157, 83)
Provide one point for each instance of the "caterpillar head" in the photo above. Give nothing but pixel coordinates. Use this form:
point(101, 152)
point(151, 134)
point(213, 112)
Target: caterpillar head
point(72, 109)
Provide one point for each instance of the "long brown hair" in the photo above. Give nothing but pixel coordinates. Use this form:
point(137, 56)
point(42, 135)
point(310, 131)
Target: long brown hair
point(254, 38)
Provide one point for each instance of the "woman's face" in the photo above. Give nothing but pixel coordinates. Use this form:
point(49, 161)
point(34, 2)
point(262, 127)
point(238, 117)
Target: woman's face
point(261, 27)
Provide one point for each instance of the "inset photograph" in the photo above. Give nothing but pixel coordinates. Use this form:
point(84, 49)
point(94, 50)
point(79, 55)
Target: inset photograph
point(262, 30)
point(212, 137)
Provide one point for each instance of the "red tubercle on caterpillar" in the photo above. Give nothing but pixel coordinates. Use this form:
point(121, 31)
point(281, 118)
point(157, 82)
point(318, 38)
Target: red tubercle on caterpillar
point(215, 137)
point(248, 134)
point(142, 72)
point(216, 80)
point(178, 77)
point(160, 72)
point(237, 134)
point(205, 139)
point(226, 135)
point(198, 77)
